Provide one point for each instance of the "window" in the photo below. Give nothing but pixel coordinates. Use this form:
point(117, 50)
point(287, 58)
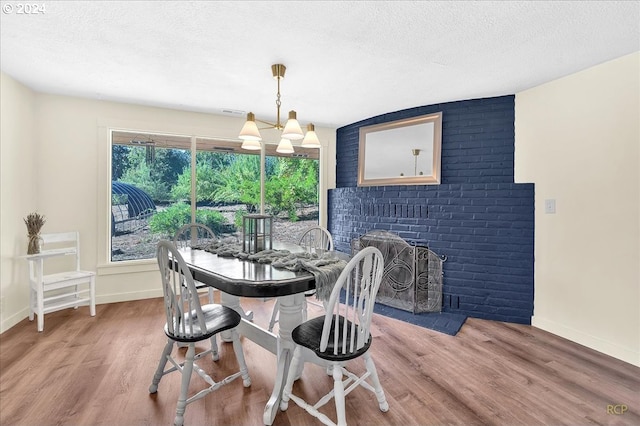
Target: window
point(154, 191)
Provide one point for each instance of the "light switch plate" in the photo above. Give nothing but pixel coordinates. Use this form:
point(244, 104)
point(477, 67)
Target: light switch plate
point(550, 206)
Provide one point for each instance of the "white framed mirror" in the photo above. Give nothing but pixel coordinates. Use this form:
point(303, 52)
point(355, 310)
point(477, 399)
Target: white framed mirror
point(401, 152)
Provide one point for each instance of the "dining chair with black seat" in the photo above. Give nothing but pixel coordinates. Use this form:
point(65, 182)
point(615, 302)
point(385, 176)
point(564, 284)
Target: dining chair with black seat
point(190, 322)
point(198, 235)
point(316, 239)
point(340, 336)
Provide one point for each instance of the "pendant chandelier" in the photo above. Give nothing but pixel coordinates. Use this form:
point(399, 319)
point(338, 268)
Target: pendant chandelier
point(250, 134)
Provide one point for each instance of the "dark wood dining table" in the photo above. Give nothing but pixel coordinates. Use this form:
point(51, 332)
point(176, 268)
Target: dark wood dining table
point(237, 278)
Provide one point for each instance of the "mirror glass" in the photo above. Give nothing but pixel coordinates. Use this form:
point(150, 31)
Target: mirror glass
point(402, 152)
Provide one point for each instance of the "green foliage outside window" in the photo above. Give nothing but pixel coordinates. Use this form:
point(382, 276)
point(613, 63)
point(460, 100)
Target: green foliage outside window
point(294, 183)
point(165, 175)
point(239, 182)
point(119, 161)
point(221, 178)
point(167, 222)
point(155, 176)
point(208, 165)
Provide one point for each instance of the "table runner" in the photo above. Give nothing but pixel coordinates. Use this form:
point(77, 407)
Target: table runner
point(326, 268)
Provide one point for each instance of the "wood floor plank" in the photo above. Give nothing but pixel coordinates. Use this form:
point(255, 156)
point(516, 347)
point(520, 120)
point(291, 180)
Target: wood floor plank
point(86, 370)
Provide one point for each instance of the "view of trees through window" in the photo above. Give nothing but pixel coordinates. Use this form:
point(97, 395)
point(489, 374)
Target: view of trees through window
point(151, 190)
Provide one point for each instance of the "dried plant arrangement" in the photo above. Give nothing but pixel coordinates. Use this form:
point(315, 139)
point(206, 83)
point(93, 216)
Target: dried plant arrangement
point(34, 222)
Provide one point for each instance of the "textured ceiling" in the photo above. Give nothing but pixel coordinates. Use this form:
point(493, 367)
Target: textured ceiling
point(346, 61)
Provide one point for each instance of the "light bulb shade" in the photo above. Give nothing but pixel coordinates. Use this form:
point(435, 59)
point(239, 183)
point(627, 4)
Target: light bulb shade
point(250, 129)
point(251, 145)
point(292, 130)
point(285, 147)
point(310, 139)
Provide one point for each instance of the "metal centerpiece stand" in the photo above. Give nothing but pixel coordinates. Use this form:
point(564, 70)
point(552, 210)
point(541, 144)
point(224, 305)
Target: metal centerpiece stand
point(257, 233)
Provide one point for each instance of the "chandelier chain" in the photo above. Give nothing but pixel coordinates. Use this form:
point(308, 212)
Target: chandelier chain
point(278, 103)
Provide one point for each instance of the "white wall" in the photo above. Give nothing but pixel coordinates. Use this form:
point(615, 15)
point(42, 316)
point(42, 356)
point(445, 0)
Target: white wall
point(68, 146)
point(18, 194)
point(577, 139)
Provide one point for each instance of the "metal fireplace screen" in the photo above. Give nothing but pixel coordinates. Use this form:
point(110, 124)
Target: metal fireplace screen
point(412, 278)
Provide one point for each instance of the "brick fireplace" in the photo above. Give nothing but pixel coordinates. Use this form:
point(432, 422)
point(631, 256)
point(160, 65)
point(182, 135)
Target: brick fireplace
point(477, 217)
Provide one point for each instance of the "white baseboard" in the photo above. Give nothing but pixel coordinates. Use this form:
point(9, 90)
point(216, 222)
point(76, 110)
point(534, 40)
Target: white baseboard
point(615, 350)
point(126, 297)
point(9, 322)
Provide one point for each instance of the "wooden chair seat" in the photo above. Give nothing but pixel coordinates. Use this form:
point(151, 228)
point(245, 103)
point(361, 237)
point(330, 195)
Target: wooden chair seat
point(62, 279)
point(216, 317)
point(309, 335)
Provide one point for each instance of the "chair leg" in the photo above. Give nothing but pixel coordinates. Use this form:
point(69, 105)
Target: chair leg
point(92, 297)
point(338, 395)
point(291, 377)
point(187, 370)
point(274, 314)
point(214, 339)
point(161, 365)
point(237, 348)
point(77, 289)
point(32, 298)
point(214, 347)
point(40, 309)
point(371, 368)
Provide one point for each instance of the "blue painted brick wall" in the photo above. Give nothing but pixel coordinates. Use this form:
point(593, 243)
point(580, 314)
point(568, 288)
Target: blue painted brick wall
point(478, 217)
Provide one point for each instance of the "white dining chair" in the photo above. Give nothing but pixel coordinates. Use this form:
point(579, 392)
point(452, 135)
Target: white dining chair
point(197, 235)
point(340, 336)
point(190, 322)
point(315, 239)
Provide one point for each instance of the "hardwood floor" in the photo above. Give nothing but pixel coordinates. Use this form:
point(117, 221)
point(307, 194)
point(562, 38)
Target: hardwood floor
point(96, 371)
